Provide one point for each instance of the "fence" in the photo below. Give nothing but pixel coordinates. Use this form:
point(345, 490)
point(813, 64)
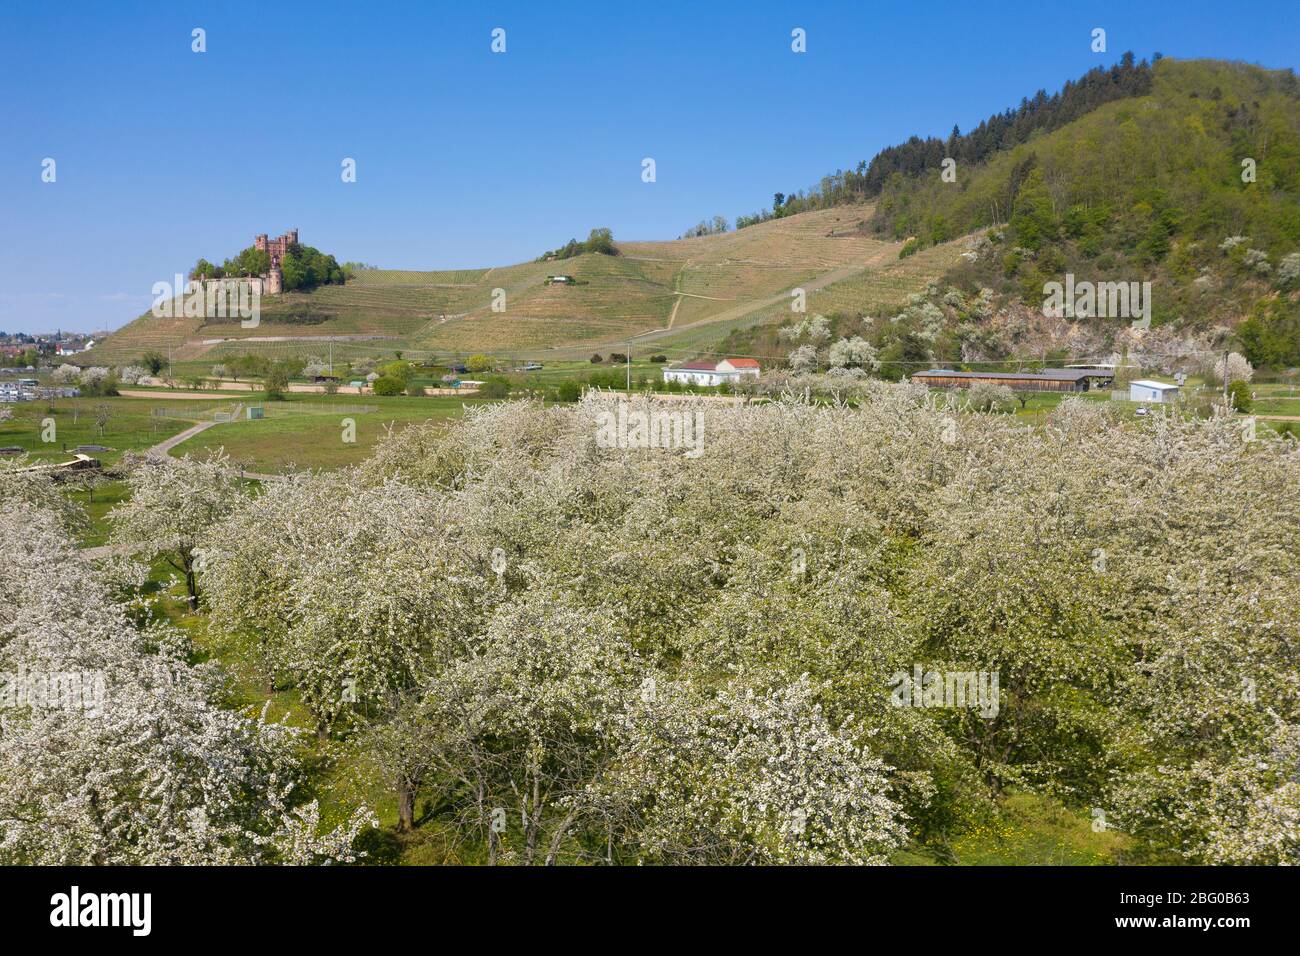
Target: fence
point(233, 411)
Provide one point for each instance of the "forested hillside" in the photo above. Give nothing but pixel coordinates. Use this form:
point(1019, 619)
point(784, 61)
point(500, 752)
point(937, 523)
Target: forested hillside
point(1184, 174)
point(916, 156)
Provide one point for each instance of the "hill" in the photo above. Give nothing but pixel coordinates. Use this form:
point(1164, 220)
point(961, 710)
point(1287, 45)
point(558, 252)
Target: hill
point(1181, 174)
point(1189, 182)
point(685, 292)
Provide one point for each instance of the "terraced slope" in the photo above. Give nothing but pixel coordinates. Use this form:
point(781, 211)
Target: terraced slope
point(145, 334)
point(885, 281)
point(683, 292)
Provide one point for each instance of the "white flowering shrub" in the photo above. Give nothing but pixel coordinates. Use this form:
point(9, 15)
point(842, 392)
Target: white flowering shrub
point(803, 359)
point(989, 396)
point(854, 352)
point(1288, 270)
point(525, 720)
point(132, 374)
point(1238, 368)
point(1256, 260)
point(39, 492)
point(819, 330)
point(67, 374)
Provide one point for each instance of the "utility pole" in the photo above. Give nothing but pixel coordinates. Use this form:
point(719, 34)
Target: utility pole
point(1225, 379)
point(629, 366)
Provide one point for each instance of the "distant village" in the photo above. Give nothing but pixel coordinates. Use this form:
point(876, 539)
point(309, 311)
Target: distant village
point(20, 349)
point(21, 354)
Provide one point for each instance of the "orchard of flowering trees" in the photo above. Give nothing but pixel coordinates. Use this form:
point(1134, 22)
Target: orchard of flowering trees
point(556, 652)
point(114, 748)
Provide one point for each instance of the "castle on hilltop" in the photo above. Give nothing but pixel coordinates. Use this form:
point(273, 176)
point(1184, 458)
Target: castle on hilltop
point(277, 249)
point(270, 282)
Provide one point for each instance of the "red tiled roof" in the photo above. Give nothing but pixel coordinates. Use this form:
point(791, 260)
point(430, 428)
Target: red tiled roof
point(698, 366)
point(743, 362)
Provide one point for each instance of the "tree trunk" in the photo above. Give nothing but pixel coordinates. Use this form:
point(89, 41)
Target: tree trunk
point(405, 807)
point(191, 581)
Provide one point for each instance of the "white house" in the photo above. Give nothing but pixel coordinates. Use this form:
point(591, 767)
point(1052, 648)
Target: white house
point(729, 371)
point(62, 349)
point(1147, 390)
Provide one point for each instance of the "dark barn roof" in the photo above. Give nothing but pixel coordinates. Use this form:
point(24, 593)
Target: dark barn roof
point(1053, 374)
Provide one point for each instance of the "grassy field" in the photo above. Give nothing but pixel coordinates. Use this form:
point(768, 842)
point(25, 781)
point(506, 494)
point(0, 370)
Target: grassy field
point(98, 500)
point(299, 433)
point(289, 442)
point(131, 426)
point(1274, 398)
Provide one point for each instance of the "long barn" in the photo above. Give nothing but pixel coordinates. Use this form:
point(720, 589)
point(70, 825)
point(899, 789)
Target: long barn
point(1048, 380)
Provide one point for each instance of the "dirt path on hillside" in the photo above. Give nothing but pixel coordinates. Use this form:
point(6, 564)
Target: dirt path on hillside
point(740, 311)
point(197, 348)
point(711, 298)
point(297, 338)
point(672, 316)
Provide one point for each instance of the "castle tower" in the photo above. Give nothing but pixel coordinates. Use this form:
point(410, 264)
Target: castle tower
point(276, 249)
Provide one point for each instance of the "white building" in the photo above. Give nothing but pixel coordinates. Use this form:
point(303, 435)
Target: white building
point(62, 349)
point(729, 371)
point(1147, 390)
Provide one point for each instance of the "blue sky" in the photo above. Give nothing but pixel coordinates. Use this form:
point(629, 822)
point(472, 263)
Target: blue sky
point(467, 158)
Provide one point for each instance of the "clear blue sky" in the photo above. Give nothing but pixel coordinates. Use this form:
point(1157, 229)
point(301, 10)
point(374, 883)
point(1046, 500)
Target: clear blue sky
point(466, 158)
